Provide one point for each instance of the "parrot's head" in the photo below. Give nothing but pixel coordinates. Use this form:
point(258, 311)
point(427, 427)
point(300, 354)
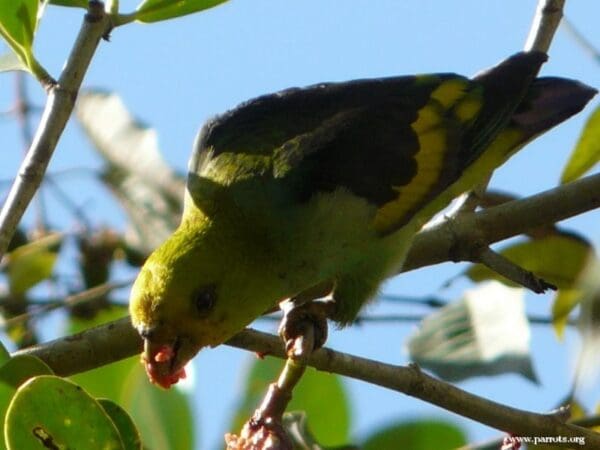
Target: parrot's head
point(188, 295)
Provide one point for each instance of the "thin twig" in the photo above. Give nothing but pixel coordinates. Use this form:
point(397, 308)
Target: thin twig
point(59, 105)
point(72, 300)
point(511, 271)
point(414, 318)
point(69, 204)
point(583, 42)
point(22, 108)
point(431, 302)
point(23, 112)
point(118, 340)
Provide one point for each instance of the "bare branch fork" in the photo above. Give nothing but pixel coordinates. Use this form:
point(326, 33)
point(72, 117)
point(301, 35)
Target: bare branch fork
point(454, 239)
point(546, 20)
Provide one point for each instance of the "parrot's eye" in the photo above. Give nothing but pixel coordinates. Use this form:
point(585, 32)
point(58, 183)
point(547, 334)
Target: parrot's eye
point(205, 299)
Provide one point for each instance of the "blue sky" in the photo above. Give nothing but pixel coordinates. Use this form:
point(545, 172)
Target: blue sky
point(174, 75)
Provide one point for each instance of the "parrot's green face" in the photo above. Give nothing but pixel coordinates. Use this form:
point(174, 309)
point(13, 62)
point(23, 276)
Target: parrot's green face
point(186, 298)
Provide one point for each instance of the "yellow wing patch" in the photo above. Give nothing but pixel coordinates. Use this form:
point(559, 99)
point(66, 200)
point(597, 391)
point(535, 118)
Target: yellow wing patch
point(450, 101)
point(449, 92)
point(469, 106)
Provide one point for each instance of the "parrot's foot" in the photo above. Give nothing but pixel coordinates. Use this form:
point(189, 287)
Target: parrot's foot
point(302, 322)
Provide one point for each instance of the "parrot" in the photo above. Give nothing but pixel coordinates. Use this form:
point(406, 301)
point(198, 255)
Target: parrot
point(326, 186)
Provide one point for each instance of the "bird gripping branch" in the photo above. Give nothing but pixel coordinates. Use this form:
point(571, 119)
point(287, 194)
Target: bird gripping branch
point(327, 186)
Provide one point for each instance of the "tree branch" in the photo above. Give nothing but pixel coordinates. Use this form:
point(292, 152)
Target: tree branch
point(118, 339)
point(455, 238)
point(59, 105)
point(89, 349)
point(511, 271)
point(545, 23)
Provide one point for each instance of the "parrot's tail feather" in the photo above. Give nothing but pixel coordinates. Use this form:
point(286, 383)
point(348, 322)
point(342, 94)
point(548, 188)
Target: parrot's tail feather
point(550, 102)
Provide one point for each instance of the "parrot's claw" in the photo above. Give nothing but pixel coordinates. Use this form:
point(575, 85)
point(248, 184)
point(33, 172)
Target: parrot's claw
point(300, 321)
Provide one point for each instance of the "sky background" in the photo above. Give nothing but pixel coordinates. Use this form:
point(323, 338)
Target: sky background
point(174, 75)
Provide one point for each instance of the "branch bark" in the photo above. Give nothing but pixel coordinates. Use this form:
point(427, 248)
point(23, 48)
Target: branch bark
point(545, 23)
point(118, 339)
point(59, 105)
point(454, 239)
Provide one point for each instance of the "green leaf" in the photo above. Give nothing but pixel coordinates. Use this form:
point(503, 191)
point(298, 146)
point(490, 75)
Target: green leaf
point(587, 151)
point(163, 417)
point(564, 302)
point(14, 373)
point(10, 61)
point(4, 354)
point(155, 10)
point(21, 368)
point(586, 293)
point(425, 434)
point(18, 21)
point(485, 333)
point(125, 383)
point(52, 412)
point(557, 258)
point(33, 262)
point(107, 381)
point(129, 433)
point(6, 395)
point(320, 395)
point(73, 3)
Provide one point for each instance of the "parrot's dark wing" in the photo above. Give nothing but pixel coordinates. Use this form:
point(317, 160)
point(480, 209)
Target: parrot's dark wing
point(396, 142)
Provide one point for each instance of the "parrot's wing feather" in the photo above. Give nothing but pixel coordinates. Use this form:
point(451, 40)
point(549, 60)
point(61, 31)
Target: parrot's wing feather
point(404, 144)
point(262, 125)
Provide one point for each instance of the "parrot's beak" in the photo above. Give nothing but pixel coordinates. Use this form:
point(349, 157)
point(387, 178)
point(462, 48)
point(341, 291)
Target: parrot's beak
point(165, 362)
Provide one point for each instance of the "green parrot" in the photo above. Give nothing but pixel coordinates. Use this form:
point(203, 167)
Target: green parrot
point(327, 186)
